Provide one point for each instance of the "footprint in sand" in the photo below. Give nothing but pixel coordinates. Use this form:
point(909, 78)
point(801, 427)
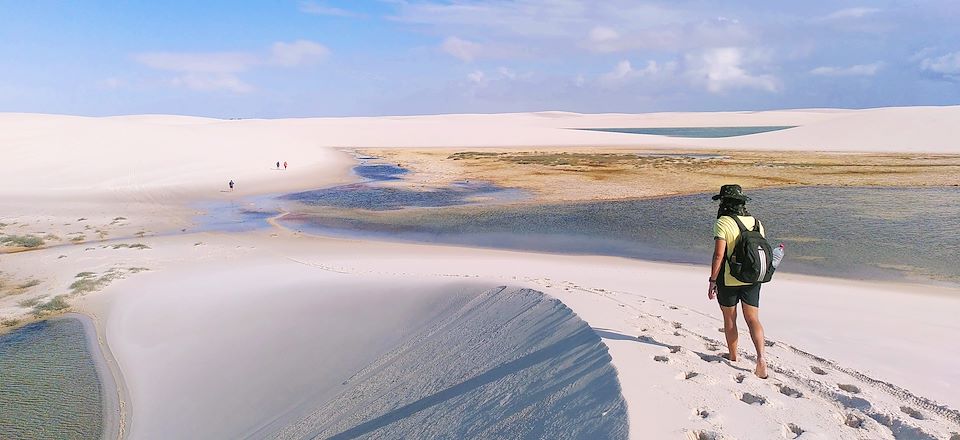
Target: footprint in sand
point(768, 343)
point(677, 334)
point(853, 421)
point(713, 347)
point(688, 375)
point(720, 329)
point(817, 370)
point(704, 435)
point(674, 349)
point(954, 436)
point(709, 358)
point(912, 412)
point(849, 388)
point(787, 391)
point(791, 431)
point(752, 399)
point(673, 307)
point(661, 358)
point(740, 377)
point(677, 325)
point(701, 413)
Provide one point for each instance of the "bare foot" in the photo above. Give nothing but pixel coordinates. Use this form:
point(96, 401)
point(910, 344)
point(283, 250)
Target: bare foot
point(761, 371)
point(732, 357)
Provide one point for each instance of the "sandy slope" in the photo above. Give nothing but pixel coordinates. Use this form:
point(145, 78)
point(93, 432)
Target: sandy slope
point(672, 380)
point(265, 346)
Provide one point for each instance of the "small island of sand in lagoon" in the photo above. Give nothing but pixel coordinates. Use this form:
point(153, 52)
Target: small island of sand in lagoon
point(505, 275)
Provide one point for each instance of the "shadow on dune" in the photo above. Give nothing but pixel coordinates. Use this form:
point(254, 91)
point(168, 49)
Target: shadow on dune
point(554, 351)
point(513, 363)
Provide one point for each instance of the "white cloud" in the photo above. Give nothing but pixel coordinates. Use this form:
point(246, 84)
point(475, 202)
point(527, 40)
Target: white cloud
point(621, 71)
point(211, 82)
point(693, 34)
point(461, 49)
point(947, 66)
point(320, 9)
point(624, 72)
point(300, 52)
point(208, 71)
point(477, 77)
point(208, 62)
point(855, 70)
point(723, 69)
point(507, 73)
point(502, 74)
point(850, 13)
point(602, 34)
point(580, 80)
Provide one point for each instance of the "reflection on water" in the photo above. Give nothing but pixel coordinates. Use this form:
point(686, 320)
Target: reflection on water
point(48, 383)
point(377, 194)
point(885, 233)
point(696, 132)
point(377, 197)
point(380, 172)
point(236, 216)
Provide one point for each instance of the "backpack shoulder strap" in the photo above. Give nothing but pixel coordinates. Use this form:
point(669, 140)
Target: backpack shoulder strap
point(756, 225)
point(739, 223)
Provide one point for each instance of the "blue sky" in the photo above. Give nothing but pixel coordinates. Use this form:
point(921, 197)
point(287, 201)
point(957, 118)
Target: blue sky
point(401, 57)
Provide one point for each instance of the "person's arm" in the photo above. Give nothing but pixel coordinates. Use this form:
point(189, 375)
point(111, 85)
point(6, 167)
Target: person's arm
point(719, 250)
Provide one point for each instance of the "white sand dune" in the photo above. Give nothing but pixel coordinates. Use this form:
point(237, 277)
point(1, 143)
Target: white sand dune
point(164, 156)
point(255, 332)
point(248, 342)
point(290, 351)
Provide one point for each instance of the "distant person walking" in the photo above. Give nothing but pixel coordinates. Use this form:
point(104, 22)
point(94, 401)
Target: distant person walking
point(278, 164)
point(231, 184)
point(733, 220)
point(284, 164)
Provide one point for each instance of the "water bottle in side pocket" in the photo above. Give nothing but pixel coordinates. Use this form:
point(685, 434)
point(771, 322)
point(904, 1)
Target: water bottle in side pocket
point(777, 255)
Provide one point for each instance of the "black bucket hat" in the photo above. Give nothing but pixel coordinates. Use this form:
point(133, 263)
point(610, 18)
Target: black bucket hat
point(731, 192)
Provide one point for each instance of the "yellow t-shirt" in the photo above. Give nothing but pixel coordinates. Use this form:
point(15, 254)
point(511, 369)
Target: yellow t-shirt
point(726, 229)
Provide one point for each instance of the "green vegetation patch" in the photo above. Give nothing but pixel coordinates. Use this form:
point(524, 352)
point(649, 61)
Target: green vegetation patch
point(29, 302)
point(56, 304)
point(29, 284)
point(131, 246)
point(27, 241)
point(91, 282)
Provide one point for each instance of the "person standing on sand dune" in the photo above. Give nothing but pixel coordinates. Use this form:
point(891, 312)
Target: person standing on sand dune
point(725, 287)
point(231, 184)
point(278, 164)
point(284, 164)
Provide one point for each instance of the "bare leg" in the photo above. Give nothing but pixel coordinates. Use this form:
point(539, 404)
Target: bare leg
point(751, 314)
point(730, 330)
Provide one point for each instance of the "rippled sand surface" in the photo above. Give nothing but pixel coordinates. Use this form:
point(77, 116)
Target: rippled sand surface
point(48, 383)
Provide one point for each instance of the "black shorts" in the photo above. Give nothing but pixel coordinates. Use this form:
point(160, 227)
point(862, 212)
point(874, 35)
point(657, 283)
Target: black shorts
point(729, 296)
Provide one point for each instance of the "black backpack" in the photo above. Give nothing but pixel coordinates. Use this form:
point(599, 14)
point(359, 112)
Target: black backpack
point(752, 259)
